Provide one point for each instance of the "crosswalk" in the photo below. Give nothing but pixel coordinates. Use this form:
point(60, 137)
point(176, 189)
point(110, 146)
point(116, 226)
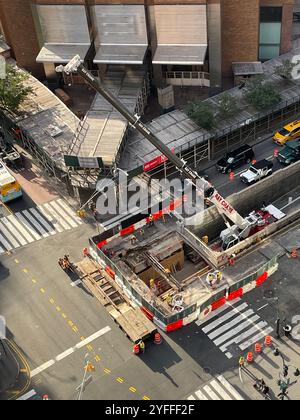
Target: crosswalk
point(28, 226)
point(217, 389)
point(235, 327)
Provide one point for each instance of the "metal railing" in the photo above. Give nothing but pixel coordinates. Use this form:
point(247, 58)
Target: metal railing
point(186, 78)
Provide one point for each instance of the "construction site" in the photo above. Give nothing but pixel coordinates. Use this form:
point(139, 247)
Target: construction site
point(178, 276)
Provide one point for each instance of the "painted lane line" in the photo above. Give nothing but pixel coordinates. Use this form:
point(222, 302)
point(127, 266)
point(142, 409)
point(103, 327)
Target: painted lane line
point(15, 222)
point(263, 307)
point(201, 396)
point(191, 398)
point(230, 388)
point(224, 318)
point(69, 352)
point(213, 314)
point(27, 396)
point(61, 211)
point(70, 211)
point(13, 231)
point(10, 237)
point(28, 226)
point(289, 204)
point(220, 391)
point(4, 242)
point(35, 223)
point(43, 222)
point(231, 324)
point(257, 338)
point(57, 216)
point(50, 218)
point(244, 336)
point(211, 393)
point(235, 331)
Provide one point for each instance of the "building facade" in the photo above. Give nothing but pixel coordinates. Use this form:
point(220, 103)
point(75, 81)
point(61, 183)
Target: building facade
point(191, 42)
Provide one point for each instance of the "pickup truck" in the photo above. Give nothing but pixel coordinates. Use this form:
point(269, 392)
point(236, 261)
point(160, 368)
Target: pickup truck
point(257, 171)
point(290, 153)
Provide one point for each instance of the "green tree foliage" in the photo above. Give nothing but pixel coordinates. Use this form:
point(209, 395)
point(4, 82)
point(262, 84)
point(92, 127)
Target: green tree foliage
point(285, 69)
point(228, 105)
point(13, 90)
point(261, 94)
point(202, 114)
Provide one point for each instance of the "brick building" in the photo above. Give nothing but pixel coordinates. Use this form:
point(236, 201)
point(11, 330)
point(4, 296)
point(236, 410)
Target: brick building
point(180, 41)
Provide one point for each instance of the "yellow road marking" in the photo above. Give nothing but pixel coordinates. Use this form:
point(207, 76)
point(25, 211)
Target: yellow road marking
point(120, 380)
point(23, 370)
point(58, 309)
point(70, 323)
point(64, 316)
point(98, 359)
point(43, 291)
point(132, 389)
point(146, 398)
point(17, 261)
point(82, 338)
point(25, 271)
point(75, 329)
point(52, 301)
point(90, 348)
point(34, 281)
point(107, 371)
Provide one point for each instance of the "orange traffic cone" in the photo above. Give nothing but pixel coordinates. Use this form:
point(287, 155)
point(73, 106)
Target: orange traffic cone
point(258, 348)
point(157, 338)
point(294, 253)
point(136, 349)
point(268, 340)
point(250, 357)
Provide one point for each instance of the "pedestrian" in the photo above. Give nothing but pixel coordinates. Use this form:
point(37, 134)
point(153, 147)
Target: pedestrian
point(142, 346)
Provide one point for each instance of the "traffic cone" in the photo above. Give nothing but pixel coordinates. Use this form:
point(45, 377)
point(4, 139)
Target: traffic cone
point(136, 349)
point(258, 348)
point(268, 340)
point(254, 162)
point(294, 253)
point(85, 252)
point(157, 338)
point(232, 176)
point(250, 357)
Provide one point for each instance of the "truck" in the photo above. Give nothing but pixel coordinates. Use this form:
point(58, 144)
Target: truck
point(242, 227)
point(257, 172)
point(290, 153)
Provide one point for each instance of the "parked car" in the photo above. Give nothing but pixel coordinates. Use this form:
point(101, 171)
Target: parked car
point(289, 132)
point(290, 153)
point(257, 171)
point(235, 159)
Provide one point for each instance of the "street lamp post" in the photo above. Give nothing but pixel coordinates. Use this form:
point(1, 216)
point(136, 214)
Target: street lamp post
point(88, 368)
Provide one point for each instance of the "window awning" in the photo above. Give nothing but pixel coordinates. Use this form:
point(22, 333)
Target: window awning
point(62, 53)
point(121, 54)
point(180, 54)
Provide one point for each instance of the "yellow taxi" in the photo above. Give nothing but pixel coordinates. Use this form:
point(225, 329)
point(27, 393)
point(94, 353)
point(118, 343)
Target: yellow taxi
point(289, 132)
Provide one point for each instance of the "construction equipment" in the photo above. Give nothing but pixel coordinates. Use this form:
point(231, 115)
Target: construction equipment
point(242, 228)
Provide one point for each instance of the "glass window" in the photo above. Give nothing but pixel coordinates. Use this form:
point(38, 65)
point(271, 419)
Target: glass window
point(296, 17)
point(267, 52)
point(270, 33)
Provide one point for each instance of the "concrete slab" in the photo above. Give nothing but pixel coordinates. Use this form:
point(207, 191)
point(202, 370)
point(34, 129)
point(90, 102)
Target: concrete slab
point(246, 266)
point(290, 240)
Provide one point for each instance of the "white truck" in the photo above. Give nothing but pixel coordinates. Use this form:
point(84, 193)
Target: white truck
point(257, 171)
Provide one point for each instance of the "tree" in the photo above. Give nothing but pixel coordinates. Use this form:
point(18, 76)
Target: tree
point(13, 90)
point(261, 94)
point(285, 69)
point(202, 114)
point(228, 105)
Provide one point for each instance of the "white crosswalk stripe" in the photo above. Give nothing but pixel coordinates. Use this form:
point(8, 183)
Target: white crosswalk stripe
point(28, 226)
point(237, 325)
point(216, 390)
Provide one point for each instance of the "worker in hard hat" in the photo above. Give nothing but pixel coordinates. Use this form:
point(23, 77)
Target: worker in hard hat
point(142, 346)
point(151, 220)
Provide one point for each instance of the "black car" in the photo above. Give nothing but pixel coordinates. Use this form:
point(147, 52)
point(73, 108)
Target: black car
point(235, 159)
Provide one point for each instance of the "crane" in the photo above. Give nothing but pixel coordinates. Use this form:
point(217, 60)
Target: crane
point(242, 226)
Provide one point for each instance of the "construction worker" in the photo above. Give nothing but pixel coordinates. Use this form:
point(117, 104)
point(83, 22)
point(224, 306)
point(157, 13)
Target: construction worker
point(151, 220)
point(142, 346)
